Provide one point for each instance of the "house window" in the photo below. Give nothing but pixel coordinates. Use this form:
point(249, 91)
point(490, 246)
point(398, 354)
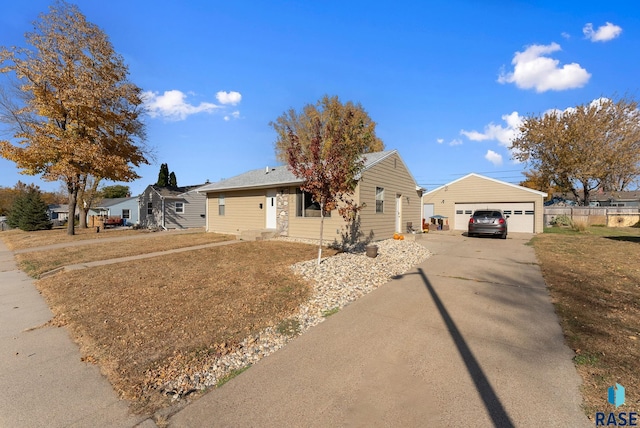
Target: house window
point(179, 207)
point(459, 211)
point(379, 199)
point(221, 205)
point(126, 214)
point(306, 206)
point(150, 208)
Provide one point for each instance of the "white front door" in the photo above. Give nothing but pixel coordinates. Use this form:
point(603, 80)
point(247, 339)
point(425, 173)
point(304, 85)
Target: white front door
point(271, 209)
point(399, 214)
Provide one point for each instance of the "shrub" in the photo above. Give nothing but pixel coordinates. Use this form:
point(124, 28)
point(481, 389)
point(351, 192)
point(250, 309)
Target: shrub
point(579, 226)
point(562, 220)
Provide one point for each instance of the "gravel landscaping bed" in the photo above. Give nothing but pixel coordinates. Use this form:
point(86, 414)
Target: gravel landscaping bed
point(337, 281)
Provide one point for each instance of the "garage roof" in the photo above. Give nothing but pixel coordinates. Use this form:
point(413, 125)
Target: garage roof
point(473, 174)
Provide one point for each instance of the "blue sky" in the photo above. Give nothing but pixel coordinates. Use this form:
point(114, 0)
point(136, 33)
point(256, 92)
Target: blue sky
point(446, 82)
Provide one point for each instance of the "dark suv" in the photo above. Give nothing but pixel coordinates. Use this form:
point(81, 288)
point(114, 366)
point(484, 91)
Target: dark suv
point(488, 222)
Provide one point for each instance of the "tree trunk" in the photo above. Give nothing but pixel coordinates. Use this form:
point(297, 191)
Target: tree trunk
point(86, 197)
point(82, 224)
point(587, 196)
point(321, 231)
point(73, 199)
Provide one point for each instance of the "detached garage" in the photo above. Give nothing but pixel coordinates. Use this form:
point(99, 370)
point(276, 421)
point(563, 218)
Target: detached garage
point(457, 201)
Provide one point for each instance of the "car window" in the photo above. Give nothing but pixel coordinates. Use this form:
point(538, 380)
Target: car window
point(487, 214)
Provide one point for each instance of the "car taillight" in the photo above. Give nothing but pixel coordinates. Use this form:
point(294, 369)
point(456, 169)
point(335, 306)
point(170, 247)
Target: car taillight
point(471, 220)
point(501, 221)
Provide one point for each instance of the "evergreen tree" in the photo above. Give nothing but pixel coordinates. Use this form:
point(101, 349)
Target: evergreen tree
point(29, 212)
point(35, 213)
point(163, 176)
point(17, 210)
point(173, 181)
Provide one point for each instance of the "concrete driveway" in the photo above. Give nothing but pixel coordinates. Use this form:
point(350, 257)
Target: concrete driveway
point(468, 338)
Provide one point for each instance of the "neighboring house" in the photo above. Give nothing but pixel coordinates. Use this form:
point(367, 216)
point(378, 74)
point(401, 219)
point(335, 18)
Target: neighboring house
point(58, 212)
point(271, 199)
point(624, 199)
point(457, 200)
point(125, 208)
point(172, 208)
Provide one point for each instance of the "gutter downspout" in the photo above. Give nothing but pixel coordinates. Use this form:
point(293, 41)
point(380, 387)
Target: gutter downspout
point(206, 212)
point(163, 226)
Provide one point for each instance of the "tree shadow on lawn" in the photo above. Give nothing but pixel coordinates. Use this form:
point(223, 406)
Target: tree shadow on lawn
point(635, 239)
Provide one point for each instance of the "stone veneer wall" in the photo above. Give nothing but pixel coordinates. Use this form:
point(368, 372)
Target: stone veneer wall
point(282, 212)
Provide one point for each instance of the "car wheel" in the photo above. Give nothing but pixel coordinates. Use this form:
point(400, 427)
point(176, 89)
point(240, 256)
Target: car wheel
point(503, 236)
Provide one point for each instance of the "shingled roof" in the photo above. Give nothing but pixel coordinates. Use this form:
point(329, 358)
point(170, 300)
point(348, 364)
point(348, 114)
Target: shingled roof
point(173, 192)
point(276, 176)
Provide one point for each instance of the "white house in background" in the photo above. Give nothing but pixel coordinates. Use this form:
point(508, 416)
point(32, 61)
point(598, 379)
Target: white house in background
point(127, 209)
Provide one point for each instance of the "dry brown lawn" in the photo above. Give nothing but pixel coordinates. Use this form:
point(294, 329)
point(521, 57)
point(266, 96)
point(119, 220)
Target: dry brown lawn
point(17, 239)
point(594, 280)
point(157, 316)
point(37, 262)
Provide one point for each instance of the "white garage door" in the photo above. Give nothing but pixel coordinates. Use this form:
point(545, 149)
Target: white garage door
point(521, 215)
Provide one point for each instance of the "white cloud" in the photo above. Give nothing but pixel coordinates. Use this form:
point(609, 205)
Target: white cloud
point(604, 33)
point(456, 142)
point(172, 105)
point(234, 115)
point(533, 68)
point(493, 157)
point(440, 140)
point(232, 98)
point(565, 35)
point(500, 133)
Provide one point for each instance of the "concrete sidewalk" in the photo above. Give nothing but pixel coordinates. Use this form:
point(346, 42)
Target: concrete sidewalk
point(468, 338)
point(43, 381)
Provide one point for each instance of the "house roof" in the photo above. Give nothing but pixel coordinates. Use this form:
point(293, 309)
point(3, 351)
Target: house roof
point(173, 192)
point(473, 174)
point(595, 195)
point(109, 202)
point(277, 176)
point(58, 208)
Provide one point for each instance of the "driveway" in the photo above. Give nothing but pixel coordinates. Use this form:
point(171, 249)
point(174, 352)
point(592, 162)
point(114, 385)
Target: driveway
point(467, 338)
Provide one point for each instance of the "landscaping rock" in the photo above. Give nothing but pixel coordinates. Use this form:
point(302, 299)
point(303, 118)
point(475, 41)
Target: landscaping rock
point(337, 281)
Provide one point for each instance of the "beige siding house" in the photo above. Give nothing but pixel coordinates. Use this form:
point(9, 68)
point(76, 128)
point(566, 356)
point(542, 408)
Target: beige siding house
point(457, 200)
point(270, 199)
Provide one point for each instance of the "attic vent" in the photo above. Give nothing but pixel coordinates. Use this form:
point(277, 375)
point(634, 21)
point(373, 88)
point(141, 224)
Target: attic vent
point(266, 170)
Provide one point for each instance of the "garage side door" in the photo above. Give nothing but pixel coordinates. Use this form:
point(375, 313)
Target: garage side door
point(521, 215)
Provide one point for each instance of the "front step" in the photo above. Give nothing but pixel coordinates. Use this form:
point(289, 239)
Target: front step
point(257, 235)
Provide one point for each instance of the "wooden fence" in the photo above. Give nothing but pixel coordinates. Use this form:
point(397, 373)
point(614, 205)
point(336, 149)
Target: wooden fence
point(608, 216)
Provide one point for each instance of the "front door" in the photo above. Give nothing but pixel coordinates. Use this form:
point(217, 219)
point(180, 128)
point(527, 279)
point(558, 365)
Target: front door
point(271, 209)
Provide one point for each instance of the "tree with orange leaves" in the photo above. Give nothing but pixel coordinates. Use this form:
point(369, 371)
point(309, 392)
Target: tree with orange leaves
point(324, 146)
point(76, 117)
